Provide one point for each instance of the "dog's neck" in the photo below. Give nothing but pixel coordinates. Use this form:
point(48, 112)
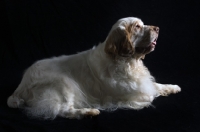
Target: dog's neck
point(136, 56)
point(99, 52)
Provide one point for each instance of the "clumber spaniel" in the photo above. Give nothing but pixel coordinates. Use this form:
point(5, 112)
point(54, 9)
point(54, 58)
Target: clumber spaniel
point(109, 76)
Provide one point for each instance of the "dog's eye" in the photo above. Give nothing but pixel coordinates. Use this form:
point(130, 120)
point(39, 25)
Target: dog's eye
point(137, 26)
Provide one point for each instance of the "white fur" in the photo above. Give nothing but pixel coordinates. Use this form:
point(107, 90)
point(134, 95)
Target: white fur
point(78, 85)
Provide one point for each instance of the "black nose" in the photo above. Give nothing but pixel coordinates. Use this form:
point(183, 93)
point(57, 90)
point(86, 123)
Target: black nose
point(156, 29)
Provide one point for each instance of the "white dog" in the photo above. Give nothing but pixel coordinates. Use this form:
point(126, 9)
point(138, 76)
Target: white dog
point(109, 76)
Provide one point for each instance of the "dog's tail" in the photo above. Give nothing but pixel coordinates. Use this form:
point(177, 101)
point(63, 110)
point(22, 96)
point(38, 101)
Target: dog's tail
point(15, 102)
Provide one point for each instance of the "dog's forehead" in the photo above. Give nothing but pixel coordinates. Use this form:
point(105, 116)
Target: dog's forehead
point(129, 20)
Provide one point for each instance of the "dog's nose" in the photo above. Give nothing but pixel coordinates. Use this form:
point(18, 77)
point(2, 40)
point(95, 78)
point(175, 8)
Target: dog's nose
point(156, 29)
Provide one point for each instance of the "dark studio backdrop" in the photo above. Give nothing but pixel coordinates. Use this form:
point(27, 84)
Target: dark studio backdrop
point(38, 29)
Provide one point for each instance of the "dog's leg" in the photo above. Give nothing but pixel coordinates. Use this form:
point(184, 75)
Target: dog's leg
point(166, 89)
point(73, 113)
point(68, 111)
point(80, 113)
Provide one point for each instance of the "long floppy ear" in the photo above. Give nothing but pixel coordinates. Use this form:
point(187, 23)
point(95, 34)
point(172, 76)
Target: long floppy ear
point(118, 43)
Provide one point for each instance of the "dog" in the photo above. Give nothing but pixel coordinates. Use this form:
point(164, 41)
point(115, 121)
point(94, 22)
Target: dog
point(106, 77)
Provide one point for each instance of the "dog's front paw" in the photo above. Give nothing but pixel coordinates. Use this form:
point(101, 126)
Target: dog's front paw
point(169, 89)
point(176, 89)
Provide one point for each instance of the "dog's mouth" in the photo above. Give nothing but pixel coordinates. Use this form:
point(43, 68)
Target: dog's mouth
point(153, 44)
point(148, 49)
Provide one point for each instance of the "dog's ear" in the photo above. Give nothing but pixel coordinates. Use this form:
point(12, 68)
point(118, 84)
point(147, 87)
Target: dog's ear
point(118, 43)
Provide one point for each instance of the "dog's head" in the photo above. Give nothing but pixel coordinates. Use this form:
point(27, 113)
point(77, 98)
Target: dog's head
point(129, 37)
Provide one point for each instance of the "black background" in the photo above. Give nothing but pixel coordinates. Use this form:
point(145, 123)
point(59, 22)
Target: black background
point(37, 29)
